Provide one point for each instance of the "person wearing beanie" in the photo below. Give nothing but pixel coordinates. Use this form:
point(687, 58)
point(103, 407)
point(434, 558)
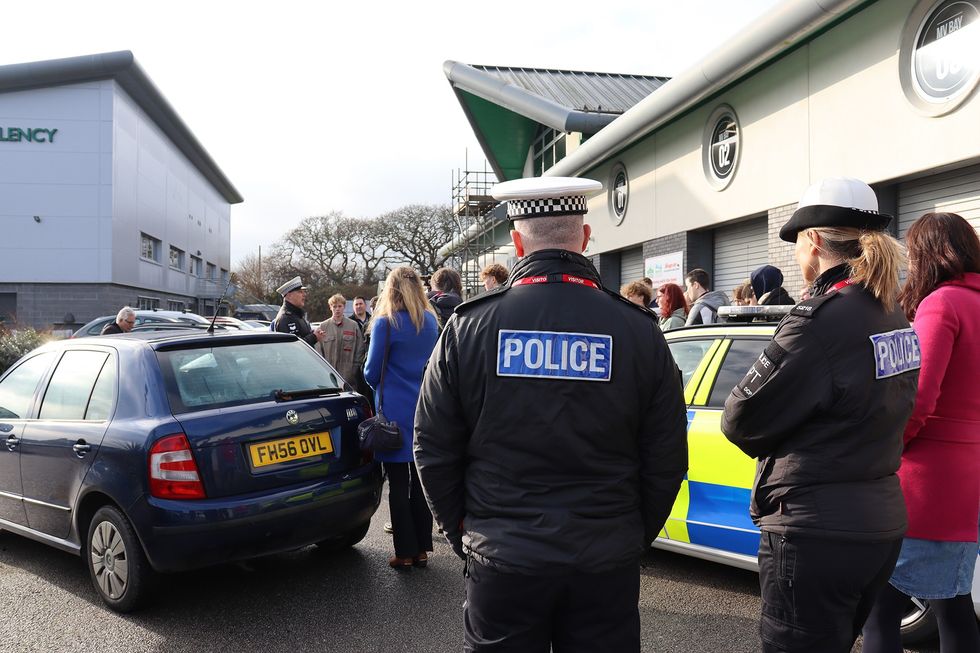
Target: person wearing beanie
point(767, 284)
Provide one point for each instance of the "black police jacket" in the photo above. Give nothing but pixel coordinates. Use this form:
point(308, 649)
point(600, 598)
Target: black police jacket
point(823, 409)
point(292, 319)
point(550, 434)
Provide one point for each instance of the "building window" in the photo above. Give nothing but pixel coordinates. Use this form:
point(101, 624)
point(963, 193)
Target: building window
point(176, 258)
point(212, 271)
point(549, 149)
point(224, 276)
point(147, 303)
point(149, 248)
point(196, 267)
point(175, 306)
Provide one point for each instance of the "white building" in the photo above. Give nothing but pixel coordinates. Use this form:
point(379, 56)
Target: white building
point(106, 197)
point(704, 170)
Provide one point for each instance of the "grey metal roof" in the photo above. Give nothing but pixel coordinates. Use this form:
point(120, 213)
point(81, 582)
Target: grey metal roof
point(122, 67)
point(582, 91)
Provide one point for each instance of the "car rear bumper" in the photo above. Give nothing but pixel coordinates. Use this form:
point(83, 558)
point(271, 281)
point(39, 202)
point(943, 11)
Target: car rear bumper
point(182, 535)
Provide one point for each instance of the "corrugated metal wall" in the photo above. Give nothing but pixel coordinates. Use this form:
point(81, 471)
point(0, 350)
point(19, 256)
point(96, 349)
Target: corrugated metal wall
point(631, 265)
point(956, 191)
point(739, 249)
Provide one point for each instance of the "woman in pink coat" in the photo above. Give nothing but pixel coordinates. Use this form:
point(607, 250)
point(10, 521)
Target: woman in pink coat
point(940, 470)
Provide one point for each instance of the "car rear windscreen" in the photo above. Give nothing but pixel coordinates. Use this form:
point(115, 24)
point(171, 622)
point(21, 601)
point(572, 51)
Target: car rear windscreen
point(234, 374)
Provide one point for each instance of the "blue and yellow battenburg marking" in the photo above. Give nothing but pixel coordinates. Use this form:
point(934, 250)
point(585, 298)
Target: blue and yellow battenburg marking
point(712, 506)
point(554, 355)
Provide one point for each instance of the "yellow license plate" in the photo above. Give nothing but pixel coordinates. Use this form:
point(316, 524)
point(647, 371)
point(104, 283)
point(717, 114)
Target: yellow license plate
point(287, 449)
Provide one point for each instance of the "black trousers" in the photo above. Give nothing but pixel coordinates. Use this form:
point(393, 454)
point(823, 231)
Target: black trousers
point(587, 613)
point(954, 616)
point(817, 593)
point(411, 521)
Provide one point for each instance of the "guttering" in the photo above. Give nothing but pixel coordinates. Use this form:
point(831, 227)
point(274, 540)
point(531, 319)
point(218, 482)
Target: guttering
point(122, 67)
point(773, 34)
point(461, 239)
point(529, 105)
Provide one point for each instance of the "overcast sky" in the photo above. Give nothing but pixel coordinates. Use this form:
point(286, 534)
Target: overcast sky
point(310, 107)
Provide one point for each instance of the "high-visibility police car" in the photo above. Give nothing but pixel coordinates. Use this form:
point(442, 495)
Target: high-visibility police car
point(710, 518)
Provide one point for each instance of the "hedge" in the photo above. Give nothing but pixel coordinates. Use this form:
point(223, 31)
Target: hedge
point(14, 344)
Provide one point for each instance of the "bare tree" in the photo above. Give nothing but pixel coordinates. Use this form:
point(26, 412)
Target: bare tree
point(254, 280)
point(415, 233)
point(367, 242)
point(323, 243)
point(333, 251)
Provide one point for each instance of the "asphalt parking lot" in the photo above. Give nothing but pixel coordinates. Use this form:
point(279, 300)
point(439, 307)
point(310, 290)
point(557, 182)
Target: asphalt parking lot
point(350, 602)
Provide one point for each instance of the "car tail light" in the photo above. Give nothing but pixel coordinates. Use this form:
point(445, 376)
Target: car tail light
point(173, 472)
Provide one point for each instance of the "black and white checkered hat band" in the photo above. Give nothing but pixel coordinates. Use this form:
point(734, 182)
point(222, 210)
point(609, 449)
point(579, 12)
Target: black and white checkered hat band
point(550, 206)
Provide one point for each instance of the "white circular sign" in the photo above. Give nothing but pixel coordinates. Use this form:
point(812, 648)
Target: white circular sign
point(944, 62)
point(619, 193)
point(721, 147)
point(940, 55)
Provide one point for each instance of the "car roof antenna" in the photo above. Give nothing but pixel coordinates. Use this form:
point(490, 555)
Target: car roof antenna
point(217, 307)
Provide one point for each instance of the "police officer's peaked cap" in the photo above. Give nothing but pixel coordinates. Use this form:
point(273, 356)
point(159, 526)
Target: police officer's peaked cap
point(836, 202)
point(293, 284)
point(543, 197)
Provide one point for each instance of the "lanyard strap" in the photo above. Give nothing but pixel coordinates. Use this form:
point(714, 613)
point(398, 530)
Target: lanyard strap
point(564, 278)
point(840, 284)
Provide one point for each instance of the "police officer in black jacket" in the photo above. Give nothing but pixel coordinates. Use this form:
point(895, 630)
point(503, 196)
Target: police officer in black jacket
point(824, 409)
point(550, 439)
point(291, 317)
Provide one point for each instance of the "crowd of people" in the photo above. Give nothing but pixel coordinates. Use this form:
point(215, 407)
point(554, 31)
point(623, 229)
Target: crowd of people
point(867, 430)
point(696, 303)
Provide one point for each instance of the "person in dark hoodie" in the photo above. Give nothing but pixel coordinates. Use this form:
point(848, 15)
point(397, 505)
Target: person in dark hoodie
point(704, 301)
point(767, 284)
point(446, 293)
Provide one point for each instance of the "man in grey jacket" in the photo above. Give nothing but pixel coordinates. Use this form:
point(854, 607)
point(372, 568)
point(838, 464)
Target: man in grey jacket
point(704, 301)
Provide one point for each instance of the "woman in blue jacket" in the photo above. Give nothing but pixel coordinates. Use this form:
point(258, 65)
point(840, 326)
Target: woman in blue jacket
point(405, 322)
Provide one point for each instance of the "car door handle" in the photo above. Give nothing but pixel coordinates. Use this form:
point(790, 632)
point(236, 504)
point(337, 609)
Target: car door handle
point(81, 448)
point(12, 442)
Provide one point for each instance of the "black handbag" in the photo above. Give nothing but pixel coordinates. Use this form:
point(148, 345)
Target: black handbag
point(378, 433)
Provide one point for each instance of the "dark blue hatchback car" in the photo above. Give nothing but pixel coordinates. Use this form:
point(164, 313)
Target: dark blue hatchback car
point(170, 451)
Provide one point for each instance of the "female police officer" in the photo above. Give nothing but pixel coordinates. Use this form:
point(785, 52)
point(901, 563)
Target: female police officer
point(823, 409)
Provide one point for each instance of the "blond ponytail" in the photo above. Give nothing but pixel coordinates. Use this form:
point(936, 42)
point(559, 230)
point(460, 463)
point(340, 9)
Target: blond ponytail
point(875, 259)
point(879, 265)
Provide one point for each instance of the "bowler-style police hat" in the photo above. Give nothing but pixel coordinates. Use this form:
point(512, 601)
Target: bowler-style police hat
point(543, 197)
point(293, 284)
point(836, 202)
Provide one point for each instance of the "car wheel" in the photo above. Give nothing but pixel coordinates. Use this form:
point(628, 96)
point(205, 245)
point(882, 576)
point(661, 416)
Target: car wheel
point(344, 541)
point(918, 622)
point(119, 569)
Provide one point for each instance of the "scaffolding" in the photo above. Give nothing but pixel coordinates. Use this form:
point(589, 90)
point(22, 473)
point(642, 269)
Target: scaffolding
point(477, 222)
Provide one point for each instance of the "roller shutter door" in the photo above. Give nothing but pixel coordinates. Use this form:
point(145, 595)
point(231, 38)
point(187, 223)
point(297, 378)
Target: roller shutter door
point(631, 265)
point(739, 249)
point(956, 191)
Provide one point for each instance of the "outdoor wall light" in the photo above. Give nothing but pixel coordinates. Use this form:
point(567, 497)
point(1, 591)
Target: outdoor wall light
point(37, 219)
